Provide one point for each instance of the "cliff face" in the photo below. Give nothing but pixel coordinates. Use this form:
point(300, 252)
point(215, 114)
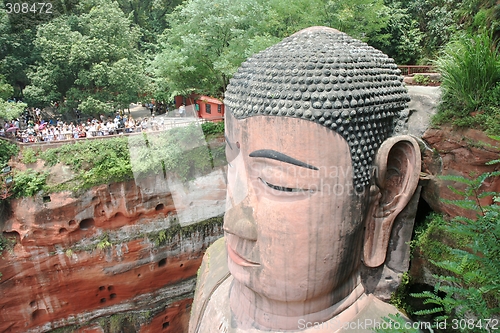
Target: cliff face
point(114, 258)
point(458, 153)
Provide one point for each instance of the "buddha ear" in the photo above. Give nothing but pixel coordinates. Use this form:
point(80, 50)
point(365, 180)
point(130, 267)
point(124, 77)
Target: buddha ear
point(397, 171)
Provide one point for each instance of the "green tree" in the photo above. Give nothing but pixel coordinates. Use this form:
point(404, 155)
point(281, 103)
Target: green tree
point(17, 33)
point(88, 59)
point(8, 110)
point(202, 51)
point(401, 37)
point(361, 19)
point(468, 285)
point(150, 16)
point(284, 18)
point(11, 110)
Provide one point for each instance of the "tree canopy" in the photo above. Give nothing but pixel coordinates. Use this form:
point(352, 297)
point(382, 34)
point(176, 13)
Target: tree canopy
point(87, 60)
point(102, 55)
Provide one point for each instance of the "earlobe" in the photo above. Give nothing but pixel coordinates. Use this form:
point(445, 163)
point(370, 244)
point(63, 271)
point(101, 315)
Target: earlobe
point(397, 170)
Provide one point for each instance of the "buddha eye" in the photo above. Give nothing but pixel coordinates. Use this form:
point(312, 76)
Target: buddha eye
point(285, 189)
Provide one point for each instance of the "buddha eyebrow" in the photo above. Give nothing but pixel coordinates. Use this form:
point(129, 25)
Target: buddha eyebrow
point(275, 155)
point(228, 143)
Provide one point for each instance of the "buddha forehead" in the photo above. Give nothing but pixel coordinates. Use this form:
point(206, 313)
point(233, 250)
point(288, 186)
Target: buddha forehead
point(322, 75)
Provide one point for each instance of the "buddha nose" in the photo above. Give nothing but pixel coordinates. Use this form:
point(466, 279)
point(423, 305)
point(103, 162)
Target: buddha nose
point(239, 221)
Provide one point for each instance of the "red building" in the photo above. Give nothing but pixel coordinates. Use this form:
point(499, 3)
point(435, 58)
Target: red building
point(204, 106)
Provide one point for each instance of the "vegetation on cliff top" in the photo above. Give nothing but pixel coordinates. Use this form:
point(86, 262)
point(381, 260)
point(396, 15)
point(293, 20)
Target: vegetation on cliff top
point(181, 151)
point(7, 150)
point(94, 55)
point(470, 69)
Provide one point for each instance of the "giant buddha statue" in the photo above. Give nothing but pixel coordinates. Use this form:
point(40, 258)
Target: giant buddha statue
point(318, 170)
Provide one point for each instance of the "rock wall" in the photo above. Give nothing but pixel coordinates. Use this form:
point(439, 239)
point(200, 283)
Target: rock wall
point(447, 151)
point(458, 153)
point(113, 259)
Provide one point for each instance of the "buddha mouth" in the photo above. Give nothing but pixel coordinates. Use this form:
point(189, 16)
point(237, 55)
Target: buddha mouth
point(235, 256)
point(237, 259)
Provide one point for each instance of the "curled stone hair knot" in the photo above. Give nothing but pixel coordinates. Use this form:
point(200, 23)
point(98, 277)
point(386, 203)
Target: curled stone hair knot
point(323, 75)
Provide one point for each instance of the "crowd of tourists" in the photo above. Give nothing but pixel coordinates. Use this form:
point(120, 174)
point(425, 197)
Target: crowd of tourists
point(39, 130)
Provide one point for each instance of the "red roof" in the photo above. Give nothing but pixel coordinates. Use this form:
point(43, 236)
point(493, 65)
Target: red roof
point(208, 99)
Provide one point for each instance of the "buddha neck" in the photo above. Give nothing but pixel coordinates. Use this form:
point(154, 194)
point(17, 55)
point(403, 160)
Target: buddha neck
point(254, 310)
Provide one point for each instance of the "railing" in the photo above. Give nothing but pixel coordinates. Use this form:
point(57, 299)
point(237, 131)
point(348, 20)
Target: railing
point(408, 70)
point(169, 124)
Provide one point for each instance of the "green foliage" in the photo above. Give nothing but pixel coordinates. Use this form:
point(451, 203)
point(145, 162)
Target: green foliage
point(182, 152)
point(428, 237)
point(7, 150)
point(472, 193)
point(119, 322)
point(398, 297)
point(468, 264)
point(284, 18)
point(103, 242)
point(213, 45)
point(28, 156)
point(94, 162)
point(6, 90)
point(421, 79)
point(470, 69)
point(209, 46)
point(11, 110)
point(28, 183)
point(65, 329)
point(6, 243)
point(213, 128)
point(69, 253)
point(88, 59)
point(362, 19)
point(175, 230)
point(115, 323)
point(401, 37)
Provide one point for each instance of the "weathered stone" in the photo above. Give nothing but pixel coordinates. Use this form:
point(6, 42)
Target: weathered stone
point(458, 153)
point(422, 106)
point(309, 200)
point(116, 248)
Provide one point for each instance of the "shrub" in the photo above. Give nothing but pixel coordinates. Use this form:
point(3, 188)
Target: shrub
point(470, 75)
point(94, 162)
point(468, 263)
point(7, 150)
point(210, 127)
point(28, 156)
point(28, 183)
point(182, 151)
point(421, 79)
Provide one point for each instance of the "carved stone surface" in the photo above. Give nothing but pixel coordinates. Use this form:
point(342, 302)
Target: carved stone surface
point(461, 153)
point(316, 179)
point(57, 275)
point(325, 76)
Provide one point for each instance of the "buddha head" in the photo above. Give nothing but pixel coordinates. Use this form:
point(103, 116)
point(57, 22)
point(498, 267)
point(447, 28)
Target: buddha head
point(317, 173)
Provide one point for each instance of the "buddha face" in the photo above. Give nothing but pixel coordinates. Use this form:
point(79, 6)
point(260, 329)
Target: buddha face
point(293, 224)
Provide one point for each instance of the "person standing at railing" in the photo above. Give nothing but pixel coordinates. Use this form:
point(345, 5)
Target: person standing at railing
point(182, 110)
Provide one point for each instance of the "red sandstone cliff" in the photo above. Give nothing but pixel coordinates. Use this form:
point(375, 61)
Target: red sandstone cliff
point(459, 153)
point(113, 259)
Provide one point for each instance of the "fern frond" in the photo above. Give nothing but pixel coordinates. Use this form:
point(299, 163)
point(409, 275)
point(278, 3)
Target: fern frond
point(457, 179)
